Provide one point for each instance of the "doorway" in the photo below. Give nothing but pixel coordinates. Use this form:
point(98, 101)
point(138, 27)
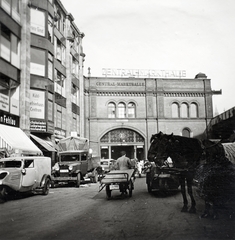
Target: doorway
point(116, 151)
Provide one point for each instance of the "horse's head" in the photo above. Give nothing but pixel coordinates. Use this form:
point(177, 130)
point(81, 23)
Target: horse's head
point(158, 149)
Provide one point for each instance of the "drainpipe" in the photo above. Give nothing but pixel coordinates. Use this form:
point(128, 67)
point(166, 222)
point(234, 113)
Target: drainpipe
point(204, 83)
point(146, 119)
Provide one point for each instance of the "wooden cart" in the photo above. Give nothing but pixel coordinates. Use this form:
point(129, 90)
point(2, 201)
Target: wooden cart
point(122, 180)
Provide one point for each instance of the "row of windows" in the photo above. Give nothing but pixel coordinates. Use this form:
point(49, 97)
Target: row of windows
point(184, 110)
point(121, 110)
point(9, 46)
point(12, 7)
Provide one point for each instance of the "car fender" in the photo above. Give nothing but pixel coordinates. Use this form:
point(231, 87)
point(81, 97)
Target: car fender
point(45, 176)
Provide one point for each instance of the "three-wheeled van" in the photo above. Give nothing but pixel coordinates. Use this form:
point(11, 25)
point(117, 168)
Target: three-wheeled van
point(25, 174)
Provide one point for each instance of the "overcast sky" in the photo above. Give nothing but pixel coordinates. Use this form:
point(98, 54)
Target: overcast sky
point(191, 35)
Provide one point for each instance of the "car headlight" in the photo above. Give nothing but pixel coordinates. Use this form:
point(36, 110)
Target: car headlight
point(70, 168)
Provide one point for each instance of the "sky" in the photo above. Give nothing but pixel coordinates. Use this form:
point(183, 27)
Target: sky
point(195, 36)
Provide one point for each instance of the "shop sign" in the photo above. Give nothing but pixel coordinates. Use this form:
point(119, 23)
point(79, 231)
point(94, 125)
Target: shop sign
point(143, 73)
point(37, 104)
point(120, 84)
point(38, 126)
point(50, 127)
point(14, 107)
point(37, 22)
point(60, 132)
point(9, 119)
point(4, 102)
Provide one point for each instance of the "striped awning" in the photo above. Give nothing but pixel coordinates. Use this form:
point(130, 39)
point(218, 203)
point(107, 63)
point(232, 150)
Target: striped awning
point(15, 140)
point(47, 145)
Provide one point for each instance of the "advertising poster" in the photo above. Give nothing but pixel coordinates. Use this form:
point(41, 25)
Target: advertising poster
point(37, 104)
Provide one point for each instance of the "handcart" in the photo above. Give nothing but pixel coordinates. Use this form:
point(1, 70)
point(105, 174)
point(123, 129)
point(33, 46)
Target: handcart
point(122, 180)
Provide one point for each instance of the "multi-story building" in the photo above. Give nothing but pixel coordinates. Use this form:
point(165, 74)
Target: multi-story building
point(124, 112)
point(41, 70)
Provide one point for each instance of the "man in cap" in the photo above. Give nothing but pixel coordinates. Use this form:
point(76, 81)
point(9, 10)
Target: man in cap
point(123, 163)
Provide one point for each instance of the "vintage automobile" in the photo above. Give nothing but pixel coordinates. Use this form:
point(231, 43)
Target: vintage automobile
point(107, 164)
point(24, 174)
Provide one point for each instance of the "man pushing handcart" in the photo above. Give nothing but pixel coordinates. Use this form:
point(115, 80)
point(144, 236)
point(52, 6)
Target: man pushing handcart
point(121, 179)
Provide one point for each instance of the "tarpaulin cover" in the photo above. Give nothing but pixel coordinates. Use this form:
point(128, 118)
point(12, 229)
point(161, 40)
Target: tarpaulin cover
point(229, 149)
point(73, 143)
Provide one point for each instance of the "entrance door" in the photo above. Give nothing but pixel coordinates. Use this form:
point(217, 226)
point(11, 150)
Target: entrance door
point(140, 153)
point(116, 151)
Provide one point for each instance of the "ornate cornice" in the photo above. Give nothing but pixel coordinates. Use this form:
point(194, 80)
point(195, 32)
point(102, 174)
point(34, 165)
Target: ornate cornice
point(121, 94)
point(183, 94)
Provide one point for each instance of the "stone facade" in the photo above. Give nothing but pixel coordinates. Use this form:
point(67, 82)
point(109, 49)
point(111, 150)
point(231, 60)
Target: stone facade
point(154, 102)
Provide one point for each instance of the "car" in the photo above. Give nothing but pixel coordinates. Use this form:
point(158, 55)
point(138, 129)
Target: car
point(24, 174)
point(107, 164)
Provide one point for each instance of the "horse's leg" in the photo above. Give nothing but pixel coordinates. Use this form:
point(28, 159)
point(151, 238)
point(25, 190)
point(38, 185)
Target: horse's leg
point(190, 192)
point(183, 192)
point(207, 210)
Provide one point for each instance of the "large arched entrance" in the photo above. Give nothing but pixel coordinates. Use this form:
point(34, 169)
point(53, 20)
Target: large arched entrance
point(113, 142)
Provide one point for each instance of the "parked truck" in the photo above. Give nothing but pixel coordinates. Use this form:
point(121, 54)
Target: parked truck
point(76, 163)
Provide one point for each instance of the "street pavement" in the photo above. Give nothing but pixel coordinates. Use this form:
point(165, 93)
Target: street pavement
point(84, 213)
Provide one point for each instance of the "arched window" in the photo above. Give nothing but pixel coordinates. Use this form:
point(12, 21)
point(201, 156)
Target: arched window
point(175, 110)
point(131, 110)
point(121, 110)
point(184, 110)
point(111, 110)
point(186, 132)
point(193, 110)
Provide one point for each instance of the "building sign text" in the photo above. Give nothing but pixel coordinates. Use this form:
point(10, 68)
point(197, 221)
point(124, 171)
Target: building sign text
point(138, 73)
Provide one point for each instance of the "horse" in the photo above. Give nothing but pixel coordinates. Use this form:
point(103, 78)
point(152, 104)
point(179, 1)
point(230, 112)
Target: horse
point(186, 154)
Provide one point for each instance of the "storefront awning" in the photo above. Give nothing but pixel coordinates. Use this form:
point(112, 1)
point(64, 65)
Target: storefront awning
point(44, 143)
point(13, 138)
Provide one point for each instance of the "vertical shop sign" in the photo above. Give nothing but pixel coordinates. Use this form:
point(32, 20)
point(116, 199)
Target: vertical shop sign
point(4, 102)
point(37, 104)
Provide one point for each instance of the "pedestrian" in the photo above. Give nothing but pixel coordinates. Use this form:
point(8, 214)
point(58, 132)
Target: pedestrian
point(139, 167)
point(123, 163)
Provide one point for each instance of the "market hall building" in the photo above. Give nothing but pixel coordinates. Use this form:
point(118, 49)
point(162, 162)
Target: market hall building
point(123, 112)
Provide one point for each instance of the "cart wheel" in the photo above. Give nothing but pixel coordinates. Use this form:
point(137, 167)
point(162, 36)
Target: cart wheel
point(131, 187)
point(108, 192)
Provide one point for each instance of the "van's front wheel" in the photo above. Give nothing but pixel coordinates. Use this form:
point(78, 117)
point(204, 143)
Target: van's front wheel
point(45, 189)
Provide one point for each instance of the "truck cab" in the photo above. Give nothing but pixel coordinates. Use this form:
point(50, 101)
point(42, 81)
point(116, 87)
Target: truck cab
point(71, 168)
point(75, 163)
